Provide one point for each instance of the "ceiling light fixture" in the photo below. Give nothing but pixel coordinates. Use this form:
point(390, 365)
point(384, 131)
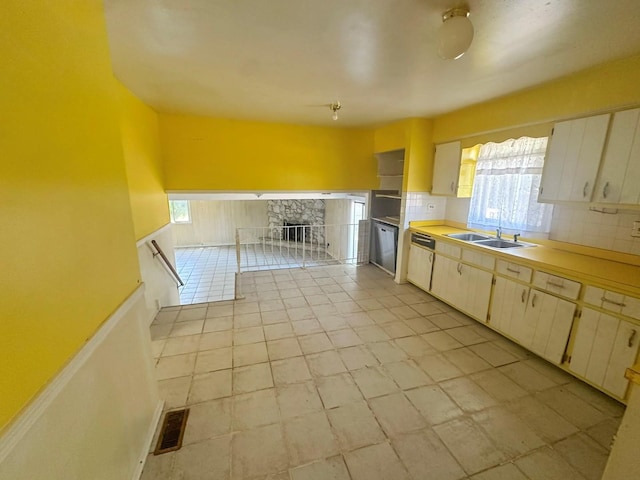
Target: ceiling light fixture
point(456, 33)
point(335, 106)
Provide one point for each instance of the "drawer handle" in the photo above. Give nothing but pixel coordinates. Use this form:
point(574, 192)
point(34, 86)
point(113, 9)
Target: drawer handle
point(613, 302)
point(584, 189)
point(554, 284)
point(431, 257)
point(452, 185)
point(533, 300)
point(632, 337)
point(605, 190)
point(524, 293)
point(459, 269)
point(513, 270)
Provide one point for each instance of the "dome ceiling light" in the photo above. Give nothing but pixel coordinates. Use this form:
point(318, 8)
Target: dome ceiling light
point(456, 33)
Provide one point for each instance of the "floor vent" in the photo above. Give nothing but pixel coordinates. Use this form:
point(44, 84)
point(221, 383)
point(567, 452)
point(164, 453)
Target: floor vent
point(172, 431)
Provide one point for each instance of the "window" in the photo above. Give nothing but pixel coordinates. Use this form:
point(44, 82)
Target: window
point(179, 211)
point(505, 190)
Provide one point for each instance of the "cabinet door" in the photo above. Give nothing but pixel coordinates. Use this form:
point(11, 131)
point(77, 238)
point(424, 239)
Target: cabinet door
point(420, 263)
point(548, 321)
point(475, 290)
point(573, 159)
point(445, 281)
point(620, 169)
point(508, 305)
point(623, 355)
point(446, 169)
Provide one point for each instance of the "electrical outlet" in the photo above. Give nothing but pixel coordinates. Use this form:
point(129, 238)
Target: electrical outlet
point(431, 206)
point(635, 230)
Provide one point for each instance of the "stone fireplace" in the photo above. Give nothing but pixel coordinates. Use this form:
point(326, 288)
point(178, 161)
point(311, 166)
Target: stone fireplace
point(298, 214)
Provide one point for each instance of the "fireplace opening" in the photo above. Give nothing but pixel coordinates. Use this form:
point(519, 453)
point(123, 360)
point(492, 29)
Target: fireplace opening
point(294, 232)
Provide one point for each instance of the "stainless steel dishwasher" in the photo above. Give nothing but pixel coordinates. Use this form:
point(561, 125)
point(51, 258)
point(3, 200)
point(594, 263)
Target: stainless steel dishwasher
point(384, 245)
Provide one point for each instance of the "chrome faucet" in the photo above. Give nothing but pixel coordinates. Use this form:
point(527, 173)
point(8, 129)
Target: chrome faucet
point(499, 232)
point(515, 237)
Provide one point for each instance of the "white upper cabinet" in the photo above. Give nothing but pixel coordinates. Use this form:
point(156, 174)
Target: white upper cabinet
point(620, 170)
point(446, 169)
point(573, 158)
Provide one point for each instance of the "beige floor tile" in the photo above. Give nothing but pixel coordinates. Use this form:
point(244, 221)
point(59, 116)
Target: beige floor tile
point(290, 370)
point(212, 360)
point(278, 331)
point(445, 320)
point(421, 325)
point(271, 305)
point(503, 472)
point(548, 424)
point(469, 445)
point(387, 352)
point(381, 317)
point(438, 367)
point(310, 290)
point(295, 302)
point(190, 314)
point(290, 293)
point(216, 311)
point(309, 438)
point(549, 370)
point(573, 409)
point(159, 332)
point(407, 375)
point(159, 467)
point(255, 409)
point(181, 345)
point(213, 340)
point(355, 426)
point(397, 329)
point(298, 399)
point(357, 357)
point(338, 390)
point(347, 307)
point(466, 335)
point(297, 314)
point(166, 316)
point(404, 312)
point(414, 346)
point(175, 366)
point(584, 455)
point(332, 468)
point(207, 420)
point(246, 336)
point(157, 346)
point(372, 333)
point(307, 327)
point(426, 457)
point(247, 320)
point(274, 317)
point(333, 322)
point(467, 394)
point(218, 324)
point(466, 360)
point(396, 414)
point(315, 343)
point(493, 354)
point(283, 348)
point(250, 354)
point(181, 329)
point(604, 403)
point(210, 386)
point(373, 382)
point(411, 298)
point(252, 378)
point(426, 308)
point(604, 432)
point(324, 310)
point(510, 434)
point(258, 452)
point(332, 288)
point(344, 338)
point(242, 307)
point(358, 319)
point(499, 386)
point(441, 341)
point(545, 464)
point(338, 297)
point(325, 363)
point(387, 300)
point(318, 298)
point(433, 404)
point(200, 459)
point(376, 462)
point(174, 391)
point(367, 304)
point(525, 376)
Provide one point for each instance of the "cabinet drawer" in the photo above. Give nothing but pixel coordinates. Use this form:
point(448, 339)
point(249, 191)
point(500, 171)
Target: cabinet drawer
point(478, 258)
point(554, 284)
point(514, 270)
point(613, 302)
point(448, 249)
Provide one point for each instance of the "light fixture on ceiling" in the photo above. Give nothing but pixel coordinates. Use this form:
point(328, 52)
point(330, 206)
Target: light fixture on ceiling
point(456, 33)
point(335, 106)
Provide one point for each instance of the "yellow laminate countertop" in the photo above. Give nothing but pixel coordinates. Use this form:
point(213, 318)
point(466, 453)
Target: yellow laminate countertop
point(601, 272)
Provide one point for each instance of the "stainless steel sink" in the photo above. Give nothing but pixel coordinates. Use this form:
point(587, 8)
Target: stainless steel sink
point(499, 243)
point(468, 237)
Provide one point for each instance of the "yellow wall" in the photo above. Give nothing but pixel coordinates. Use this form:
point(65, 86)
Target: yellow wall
point(418, 158)
point(608, 86)
point(67, 244)
point(141, 147)
point(202, 153)
point(393, 136)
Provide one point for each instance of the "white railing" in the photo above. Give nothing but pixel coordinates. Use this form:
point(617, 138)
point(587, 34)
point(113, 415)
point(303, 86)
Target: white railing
point(266, 248)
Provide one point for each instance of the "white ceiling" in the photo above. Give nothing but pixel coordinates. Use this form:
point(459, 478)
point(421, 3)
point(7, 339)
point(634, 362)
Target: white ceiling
point(278, 60)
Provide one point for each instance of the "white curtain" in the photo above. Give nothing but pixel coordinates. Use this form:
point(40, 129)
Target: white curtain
point(505, 189)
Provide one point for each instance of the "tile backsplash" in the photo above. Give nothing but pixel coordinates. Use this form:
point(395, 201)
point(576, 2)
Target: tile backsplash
point(423, 206)
point(611, 231)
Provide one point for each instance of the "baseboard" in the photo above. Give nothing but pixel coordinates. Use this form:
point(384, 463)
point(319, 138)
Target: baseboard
point(150, 435)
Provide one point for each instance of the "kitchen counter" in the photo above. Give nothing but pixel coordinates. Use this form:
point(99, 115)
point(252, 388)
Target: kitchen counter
point(395, 221)
point(603, 272)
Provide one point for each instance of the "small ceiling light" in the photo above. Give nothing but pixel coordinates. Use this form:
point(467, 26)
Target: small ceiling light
point(456, 33)
point(335, 106)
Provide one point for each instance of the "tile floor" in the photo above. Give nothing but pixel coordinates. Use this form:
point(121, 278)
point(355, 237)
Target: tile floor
point(339, 373)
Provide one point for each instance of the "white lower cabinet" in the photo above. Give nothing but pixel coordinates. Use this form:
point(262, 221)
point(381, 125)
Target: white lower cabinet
point(546, 325)
point(605, 346)
point(465, 287)
point(509, 303)
point(420, 266)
